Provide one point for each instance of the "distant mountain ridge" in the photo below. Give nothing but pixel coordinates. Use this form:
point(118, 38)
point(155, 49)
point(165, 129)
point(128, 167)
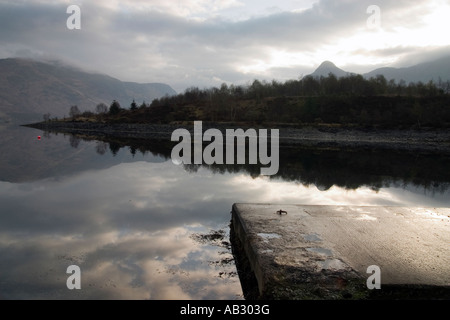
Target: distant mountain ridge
point(28, 89)
point(424, 72)
point(435, 70)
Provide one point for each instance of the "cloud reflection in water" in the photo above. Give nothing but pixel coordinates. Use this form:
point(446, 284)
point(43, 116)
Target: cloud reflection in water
point(129, 227)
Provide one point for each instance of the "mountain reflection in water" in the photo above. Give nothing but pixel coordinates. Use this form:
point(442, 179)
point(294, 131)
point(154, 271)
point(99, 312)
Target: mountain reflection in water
point(140, 227)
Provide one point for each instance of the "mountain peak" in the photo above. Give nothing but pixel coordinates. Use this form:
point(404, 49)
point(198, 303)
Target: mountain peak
point(327, 64)
point(328, 67)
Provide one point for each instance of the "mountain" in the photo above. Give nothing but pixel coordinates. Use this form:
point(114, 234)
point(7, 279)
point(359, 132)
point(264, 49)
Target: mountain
point(28, 89)
point(424, 72)
point(328, 67)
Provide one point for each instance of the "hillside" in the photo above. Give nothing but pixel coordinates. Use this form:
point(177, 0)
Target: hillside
point(424, 72)
point(434, 70)
point(28, 89)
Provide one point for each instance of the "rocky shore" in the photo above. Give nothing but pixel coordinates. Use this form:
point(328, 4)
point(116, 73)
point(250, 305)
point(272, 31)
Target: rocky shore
point(426, 140)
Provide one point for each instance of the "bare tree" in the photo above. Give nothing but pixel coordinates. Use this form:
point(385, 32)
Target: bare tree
point(101, 108)
point(74, 111)
point(101, 147)
point(74, 141)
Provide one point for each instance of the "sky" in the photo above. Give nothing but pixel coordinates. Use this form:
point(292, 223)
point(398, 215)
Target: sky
point(205, 43)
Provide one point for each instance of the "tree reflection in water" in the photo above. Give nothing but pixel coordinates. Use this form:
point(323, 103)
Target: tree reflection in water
point(323, 167)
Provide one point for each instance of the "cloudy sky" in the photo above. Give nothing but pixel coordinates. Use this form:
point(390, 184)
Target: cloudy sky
point(208, 42)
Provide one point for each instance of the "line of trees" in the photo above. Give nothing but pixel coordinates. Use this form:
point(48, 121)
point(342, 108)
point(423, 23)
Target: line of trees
point(351, 100)
point(100, 109)
point(322, 167)
point(353, 85)
point(345, 100)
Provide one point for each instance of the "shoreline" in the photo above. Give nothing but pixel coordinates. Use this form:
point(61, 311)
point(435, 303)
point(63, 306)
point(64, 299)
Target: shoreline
point(423, 140)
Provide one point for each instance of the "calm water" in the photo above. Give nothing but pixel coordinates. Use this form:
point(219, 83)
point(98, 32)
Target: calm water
point(140, 227)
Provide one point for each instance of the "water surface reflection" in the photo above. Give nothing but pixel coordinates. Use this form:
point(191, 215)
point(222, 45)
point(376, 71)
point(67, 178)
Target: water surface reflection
point(141, 227)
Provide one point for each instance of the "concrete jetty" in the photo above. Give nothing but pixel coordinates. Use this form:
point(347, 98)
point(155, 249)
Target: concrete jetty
point(343, 252)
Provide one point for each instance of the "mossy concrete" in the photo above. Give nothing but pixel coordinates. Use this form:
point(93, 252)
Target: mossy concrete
point(323, 252)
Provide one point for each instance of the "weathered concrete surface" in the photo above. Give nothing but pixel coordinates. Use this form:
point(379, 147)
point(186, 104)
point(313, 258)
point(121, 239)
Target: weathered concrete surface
point(316, 252)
